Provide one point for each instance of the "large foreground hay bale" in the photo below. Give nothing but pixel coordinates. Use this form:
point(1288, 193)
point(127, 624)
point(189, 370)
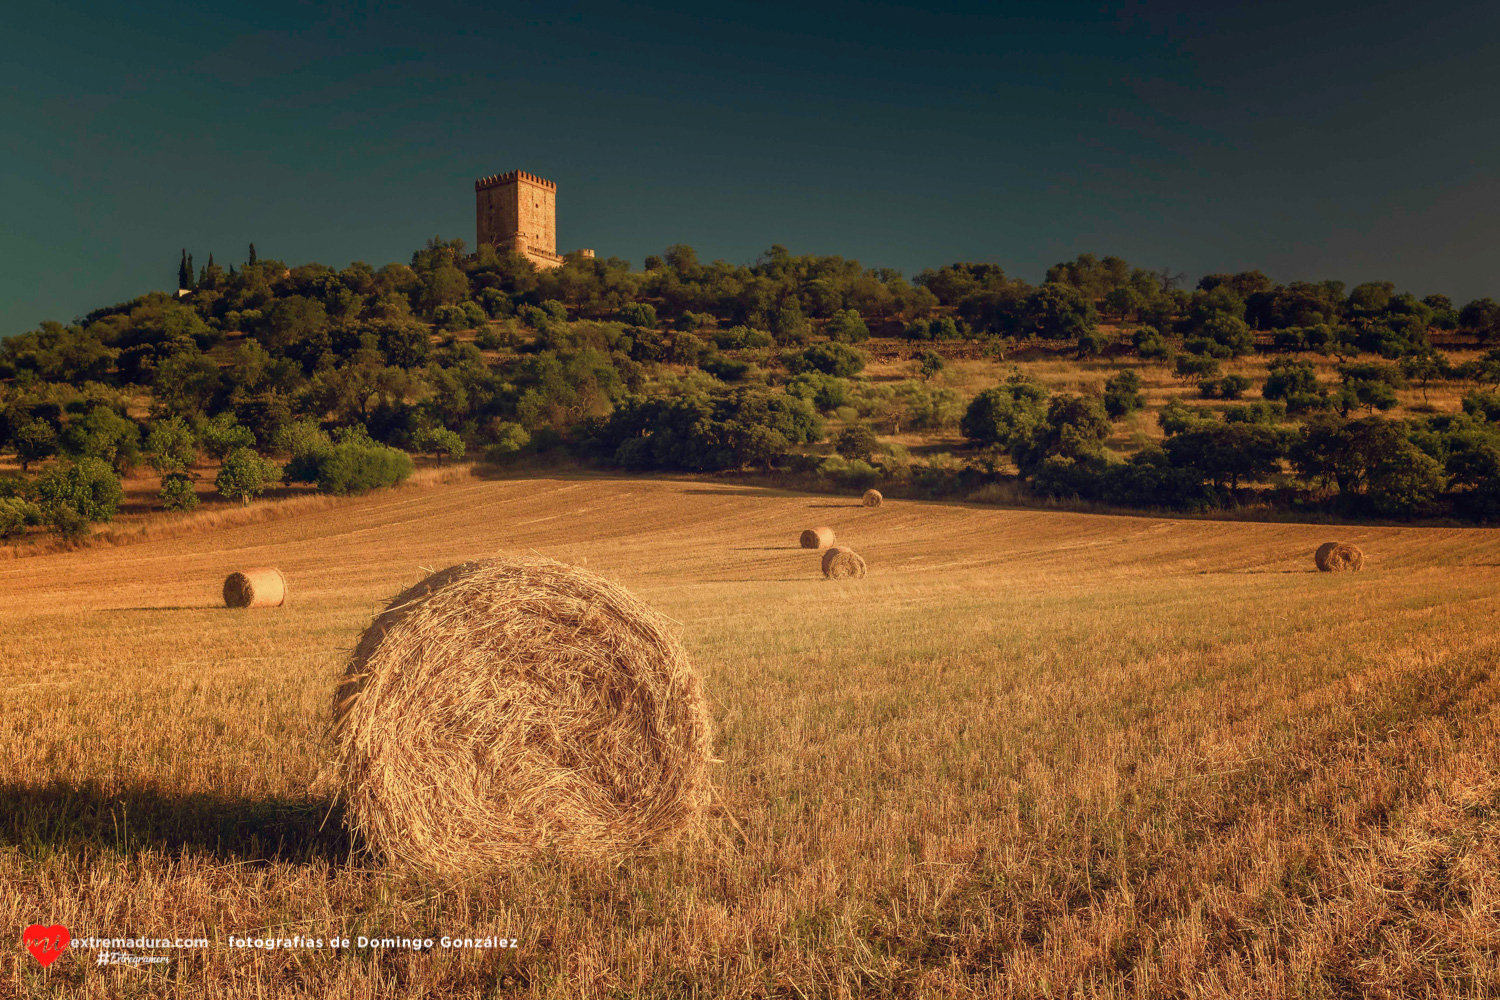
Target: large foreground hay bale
point(842, 564)
point(817, 538)
point(263, 587)
point(873, 498)
point(500, 708)
point(1337, 557)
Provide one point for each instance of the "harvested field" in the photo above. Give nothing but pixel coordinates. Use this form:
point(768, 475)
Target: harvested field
point(1036, 752)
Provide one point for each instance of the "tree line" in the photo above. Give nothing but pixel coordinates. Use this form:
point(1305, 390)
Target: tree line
point(335, 378)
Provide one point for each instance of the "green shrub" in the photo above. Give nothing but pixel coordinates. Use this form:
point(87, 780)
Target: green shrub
point(1150, 345)
point(928, 408)
point(177, 492)
point(490, 339)
point(1059, 312)
point(1075, 428)
point(355, 467)
point(1405, 479)
point(858, 441)
point(1195, 367)
point(1262, 411)
point(1226, 453)
point(1091, 343)
point(245, 475)
point(441, 441)
point(16, 515)
point(1122, 394)
point(89, 489)
point(847, 327)
point(222, 434)
point(1233, 386)
point(1485, 405)
point(789, 324)
point(496, 303)
point(725, 369)
point(1206, 347)
point(66, 522)
point(1296, 382)
point(171, 446)
point(507, 439)
point(1004, 415)
point(637, 314)
point(824, 391)
point(1227, 334)
point(450, 319)
point(855, 474)
point(737, 428)
point(690, 321)
point(1176, 417)
point(830, 359)
point(1061, 476)
point(941, 328)
point(738, 338)
point(1150, 479)
point(104, 434)
point(33, 441)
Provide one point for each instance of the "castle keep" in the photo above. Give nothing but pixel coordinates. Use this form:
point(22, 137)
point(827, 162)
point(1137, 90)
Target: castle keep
point(518, 211)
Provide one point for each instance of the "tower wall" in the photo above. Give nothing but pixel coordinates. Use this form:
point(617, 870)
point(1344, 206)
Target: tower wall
point(518, 204)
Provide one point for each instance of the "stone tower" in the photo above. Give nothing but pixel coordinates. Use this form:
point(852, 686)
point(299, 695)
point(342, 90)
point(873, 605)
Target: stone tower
point(518, 211)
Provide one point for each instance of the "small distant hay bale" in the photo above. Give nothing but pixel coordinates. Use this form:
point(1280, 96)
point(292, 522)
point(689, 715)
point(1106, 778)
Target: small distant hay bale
point(873, 498)
point(843, 564)
point(255, 588)
point(817, 538)
point(1338, 557)
point(505, 708)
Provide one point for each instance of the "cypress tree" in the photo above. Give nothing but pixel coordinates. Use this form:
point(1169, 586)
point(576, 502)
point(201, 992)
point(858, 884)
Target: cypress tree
point(252, 253)
point(184, 271)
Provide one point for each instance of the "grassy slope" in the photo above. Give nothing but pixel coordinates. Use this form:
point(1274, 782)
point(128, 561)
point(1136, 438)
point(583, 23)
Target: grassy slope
point(1033, 751)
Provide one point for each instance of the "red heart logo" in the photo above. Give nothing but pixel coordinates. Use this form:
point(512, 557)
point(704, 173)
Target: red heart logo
point(46, 943)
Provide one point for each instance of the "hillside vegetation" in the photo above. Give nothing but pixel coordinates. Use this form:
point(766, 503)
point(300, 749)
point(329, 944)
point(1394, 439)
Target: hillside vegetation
point(1033, 753)
point(1106, 383)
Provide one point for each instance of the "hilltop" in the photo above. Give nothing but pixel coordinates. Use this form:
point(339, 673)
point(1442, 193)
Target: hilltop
point(1106, 383)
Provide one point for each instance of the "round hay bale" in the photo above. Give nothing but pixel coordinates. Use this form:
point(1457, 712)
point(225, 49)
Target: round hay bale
point(817, 538)
point(1338, 557)
point(873, 498)
point(843, 564)
point(503, 708)
point(255, 588)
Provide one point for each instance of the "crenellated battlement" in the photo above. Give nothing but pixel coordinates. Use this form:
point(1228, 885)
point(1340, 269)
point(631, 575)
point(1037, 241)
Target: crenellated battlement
point(511, 177)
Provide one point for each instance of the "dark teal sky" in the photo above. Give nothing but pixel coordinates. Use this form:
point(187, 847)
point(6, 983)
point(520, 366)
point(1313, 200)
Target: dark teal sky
point(1308, 140)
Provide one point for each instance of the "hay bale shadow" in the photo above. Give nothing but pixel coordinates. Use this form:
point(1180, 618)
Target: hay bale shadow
point(740, 491)
point(170, 607)
point(775, 579)
point(67, 816)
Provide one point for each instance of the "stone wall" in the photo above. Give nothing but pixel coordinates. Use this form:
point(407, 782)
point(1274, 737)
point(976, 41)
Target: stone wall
point(518, 211)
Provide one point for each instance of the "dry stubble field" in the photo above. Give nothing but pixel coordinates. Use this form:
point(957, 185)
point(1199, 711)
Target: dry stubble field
point(1033, 754)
